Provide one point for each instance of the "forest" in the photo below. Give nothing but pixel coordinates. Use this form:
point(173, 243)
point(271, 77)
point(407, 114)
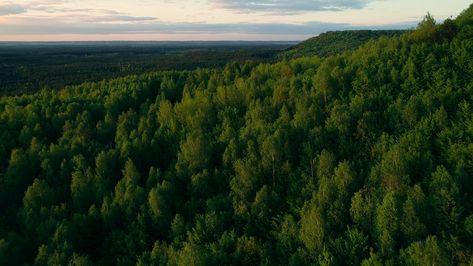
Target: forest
point(30, 67)
point(336, 42)
point(358, 158)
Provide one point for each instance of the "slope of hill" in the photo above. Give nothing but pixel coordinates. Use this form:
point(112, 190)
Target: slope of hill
point(335, 42)
point(360, 158)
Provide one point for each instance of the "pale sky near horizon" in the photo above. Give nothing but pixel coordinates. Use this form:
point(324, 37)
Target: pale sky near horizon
point(89, 20)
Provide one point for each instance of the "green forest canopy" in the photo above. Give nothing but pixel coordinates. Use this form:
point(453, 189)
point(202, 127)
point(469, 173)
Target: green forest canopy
point(30, 67)
point(360, 158)
point(336, 42)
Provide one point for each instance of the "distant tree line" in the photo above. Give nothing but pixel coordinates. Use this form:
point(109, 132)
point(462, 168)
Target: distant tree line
point(28, 68)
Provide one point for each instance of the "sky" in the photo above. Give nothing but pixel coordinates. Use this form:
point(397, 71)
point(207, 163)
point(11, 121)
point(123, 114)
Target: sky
point(184, 20)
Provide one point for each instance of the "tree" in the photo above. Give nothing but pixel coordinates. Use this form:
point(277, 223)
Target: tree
point(195, 154)
point(39, 194)
point(159, 201)
point(387, 224)
point(129, 195)
point(20, 173)
point(286, 235)
point(84, 185)
point(444, 197)
point(362, 210)
point(425, 30)
point(469, 225)
point(412, 227)
point(312, 231)
point(323, 80)
point(351, 248)
point(373, 260)
point(272, 154)
point(426, 252)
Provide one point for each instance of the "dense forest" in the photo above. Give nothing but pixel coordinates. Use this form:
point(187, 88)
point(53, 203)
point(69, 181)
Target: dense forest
point(364, 157)
point(336, 42)
point(29, 67)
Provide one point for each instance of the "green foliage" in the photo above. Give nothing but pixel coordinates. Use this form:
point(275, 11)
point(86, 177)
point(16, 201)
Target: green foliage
point(27, 67)
point(466, 17)
point(360, 158)
point(351, 247)
point(312, 231)
point(426, 252)
point(387, 224)
point(335, 42)
point(469, 225)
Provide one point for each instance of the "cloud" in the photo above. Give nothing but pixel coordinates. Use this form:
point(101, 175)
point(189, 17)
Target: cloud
point(291, 6)
point(116, 18)
point(58, 9)
point(11, 9)
point(90, 14)
point(46, 27)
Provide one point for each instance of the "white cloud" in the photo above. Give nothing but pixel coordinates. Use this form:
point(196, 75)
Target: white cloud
point(11, 9)
point(285, 6)
point(60, 11)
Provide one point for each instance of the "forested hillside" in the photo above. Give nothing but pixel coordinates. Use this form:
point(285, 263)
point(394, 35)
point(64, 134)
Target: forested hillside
point(336, 42)
point(361, 158)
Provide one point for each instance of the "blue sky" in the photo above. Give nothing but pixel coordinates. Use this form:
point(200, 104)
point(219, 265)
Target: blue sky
point(62, 20)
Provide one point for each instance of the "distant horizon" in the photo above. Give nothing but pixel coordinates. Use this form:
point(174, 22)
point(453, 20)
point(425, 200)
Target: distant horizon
point(159, 41)
point(192, 40)
point(208, 20)
point(79, 38)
